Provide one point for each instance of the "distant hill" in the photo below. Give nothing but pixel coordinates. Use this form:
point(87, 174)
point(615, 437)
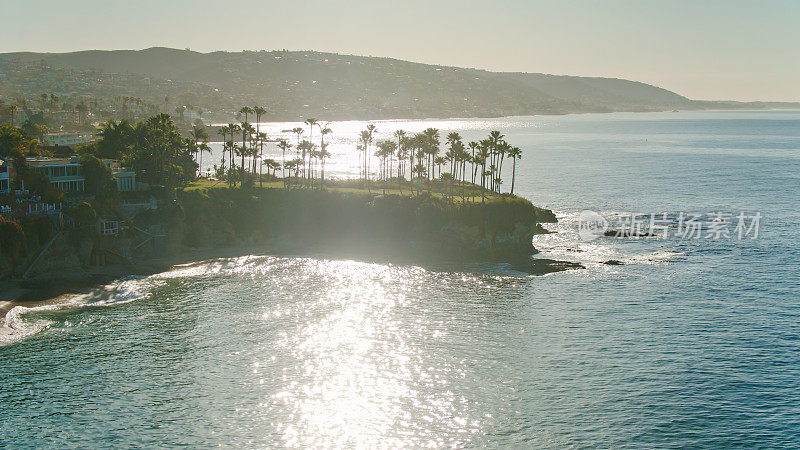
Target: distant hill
point(295, 84)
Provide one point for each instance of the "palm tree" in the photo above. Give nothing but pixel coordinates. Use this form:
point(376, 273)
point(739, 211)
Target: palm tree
point(371, 130)
point(247, 133)
point(290, 166)
point(245, 111)
point(452, 139)
point(401, 137)
point(364, 143)
point(284, 145)
point(233, 128)
point(299, 132)
point(323, 153)
point(438, 161)
point(502, 149)
point(13, 109)
point(415, 145)
point(310, 122)
point(191, 147)
point(312, 155)
point(473, 145)
point(258, 111)
point(482, 156)
point(514, 153)
point(83, 111)
point(260, 139)
point(431, 149)
point(200, 138)
point(495, 139)
point(465, 157)
point(271, 165)
point(306, 147)
point(386, 149)
point(456, 147)
point(223, 131)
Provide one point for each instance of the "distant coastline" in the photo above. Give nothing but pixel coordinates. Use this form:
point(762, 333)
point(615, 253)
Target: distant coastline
point(299, 84)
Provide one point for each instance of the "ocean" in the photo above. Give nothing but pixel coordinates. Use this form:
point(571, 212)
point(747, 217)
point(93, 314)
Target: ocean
point(690, 339)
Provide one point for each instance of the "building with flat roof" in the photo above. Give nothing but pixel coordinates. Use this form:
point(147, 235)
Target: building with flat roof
point(64, 173)
point(64, 139)
point(126, 178)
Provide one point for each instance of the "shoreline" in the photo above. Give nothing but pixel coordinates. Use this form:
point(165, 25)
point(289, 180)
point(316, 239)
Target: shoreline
point(32, 293)
point(212, 123)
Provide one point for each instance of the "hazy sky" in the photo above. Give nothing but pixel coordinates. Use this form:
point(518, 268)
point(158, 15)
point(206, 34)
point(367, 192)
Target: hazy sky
point(723, 49)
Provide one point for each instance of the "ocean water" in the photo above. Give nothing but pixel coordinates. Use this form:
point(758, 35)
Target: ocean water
point(692, 342)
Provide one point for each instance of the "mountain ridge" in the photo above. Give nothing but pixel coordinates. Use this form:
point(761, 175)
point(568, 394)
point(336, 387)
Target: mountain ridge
point(300, 84)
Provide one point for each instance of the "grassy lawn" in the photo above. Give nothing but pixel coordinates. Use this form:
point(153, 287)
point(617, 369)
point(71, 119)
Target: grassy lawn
point(438, 188)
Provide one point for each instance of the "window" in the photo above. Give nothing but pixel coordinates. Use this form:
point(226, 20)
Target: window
point(109, 228)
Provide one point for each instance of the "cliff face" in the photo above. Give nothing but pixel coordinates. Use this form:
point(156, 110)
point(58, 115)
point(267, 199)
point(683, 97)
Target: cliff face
point(393, 228)
point(422, 227)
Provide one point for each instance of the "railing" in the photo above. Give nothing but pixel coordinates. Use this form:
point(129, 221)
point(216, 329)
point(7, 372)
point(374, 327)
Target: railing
point(44, 208)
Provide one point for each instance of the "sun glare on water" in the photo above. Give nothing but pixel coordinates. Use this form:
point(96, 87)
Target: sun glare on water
point(355, 371)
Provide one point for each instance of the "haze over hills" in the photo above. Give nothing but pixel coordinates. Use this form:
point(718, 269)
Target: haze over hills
point(297, 84)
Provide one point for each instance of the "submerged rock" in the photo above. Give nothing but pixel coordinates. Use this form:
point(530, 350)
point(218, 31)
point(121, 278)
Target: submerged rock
point(542, 266)
point(618, 233)
point(614, 262)
point(539, 229)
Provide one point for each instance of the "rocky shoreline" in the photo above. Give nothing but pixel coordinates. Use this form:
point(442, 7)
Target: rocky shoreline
point(219, 223)
point(49, 288)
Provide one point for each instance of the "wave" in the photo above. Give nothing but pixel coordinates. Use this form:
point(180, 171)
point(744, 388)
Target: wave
point(22, 321)
point(566, 244)
point(14, 327)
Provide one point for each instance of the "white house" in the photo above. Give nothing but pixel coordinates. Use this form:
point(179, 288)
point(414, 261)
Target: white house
point(126, 178)
point(63, 139)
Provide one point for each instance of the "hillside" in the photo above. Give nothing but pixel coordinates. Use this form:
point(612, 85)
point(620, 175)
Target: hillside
point(325, 85)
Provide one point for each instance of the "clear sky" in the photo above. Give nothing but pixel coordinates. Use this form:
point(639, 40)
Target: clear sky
point(704, 49)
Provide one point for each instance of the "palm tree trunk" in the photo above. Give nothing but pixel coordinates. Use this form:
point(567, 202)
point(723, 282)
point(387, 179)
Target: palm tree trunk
point(513, 175)
point(260, 165)
point(310, 139)
point(231, 178)
point(244, 150)
point(483, 183)
point(500, 172)
point(411, 170)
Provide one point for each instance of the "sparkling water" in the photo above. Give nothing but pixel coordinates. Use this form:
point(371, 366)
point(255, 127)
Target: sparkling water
point(688, 343)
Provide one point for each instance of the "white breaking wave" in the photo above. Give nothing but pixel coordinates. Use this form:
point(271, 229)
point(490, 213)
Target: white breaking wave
point(567, 244)
point(21, 321)
point(126, 290)
point(15, 328)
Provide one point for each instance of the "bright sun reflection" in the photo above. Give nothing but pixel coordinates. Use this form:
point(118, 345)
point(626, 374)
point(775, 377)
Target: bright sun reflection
point(356, 374)
point(344, 161)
